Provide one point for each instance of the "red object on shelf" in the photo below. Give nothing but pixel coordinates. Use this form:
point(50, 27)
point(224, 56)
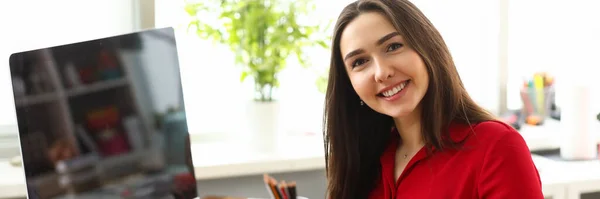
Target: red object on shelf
point(113, 143)
point(107, 60)
point(86, 75)
point(185, 184)
point(104, 124)
point(185, 179)
point(107, 66)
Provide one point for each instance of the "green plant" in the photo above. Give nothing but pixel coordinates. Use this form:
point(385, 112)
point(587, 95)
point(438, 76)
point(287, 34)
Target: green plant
point(261, 33)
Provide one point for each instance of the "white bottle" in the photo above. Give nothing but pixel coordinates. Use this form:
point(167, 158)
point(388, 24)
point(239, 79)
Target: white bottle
point(579, 126)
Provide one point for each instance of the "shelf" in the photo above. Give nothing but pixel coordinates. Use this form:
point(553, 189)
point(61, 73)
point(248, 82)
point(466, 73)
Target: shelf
point(35, 99)
point(96, 87)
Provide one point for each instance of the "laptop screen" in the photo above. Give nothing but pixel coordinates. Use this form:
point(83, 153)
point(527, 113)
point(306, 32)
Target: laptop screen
point(104, 118)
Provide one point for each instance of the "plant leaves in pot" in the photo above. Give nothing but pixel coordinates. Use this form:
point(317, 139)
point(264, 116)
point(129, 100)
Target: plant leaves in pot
point(263, 34)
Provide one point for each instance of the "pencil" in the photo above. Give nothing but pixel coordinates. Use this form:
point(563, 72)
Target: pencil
point(526, 103)
point(268, 185)
point(292, 190)
point(538, 83)
point(282, 188)
point(273, 183)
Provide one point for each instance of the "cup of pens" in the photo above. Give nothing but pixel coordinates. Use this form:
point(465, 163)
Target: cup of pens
point(280, 190)
point(537, 95)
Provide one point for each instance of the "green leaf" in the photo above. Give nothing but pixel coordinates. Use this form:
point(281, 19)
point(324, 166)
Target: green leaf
point(323, 44)
point(243, 76)
point(321, 83)
point(191, 9)
point(193, 23)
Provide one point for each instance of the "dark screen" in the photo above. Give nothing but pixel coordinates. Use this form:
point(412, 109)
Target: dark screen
point(104, 118)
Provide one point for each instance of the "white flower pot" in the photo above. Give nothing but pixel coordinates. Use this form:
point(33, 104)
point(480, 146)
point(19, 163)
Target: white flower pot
point(263, 124)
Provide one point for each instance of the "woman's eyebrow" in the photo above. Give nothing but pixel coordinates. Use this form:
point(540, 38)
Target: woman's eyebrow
point(379, 42)
point(387, 37)
point(353, 53)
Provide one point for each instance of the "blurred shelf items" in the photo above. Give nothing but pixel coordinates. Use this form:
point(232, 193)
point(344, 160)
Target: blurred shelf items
point(539, 102)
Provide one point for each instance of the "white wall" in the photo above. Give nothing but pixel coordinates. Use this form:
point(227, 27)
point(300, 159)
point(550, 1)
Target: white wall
point(561, 37)
point(471, 31)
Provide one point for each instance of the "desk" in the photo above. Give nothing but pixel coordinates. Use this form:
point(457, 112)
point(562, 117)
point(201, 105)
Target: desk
point(226, 197)
point(12, 181)
point(146, 185)
point(239, 159)
point(583, 177)
point(562, 180)
point(555, 184)
point(544, 137)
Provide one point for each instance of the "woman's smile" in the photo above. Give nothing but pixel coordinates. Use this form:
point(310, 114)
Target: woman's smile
point(395, 92)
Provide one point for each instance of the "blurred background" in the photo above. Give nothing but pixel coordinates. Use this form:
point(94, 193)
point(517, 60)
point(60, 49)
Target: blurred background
point(532, 63)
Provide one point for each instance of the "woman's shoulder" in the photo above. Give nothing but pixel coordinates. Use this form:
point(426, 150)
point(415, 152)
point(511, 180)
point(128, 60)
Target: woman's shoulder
point(501, 144)
point(491, 140)
point(492, 130)
point(493, 125)
point(486, 131)
point(487, 134)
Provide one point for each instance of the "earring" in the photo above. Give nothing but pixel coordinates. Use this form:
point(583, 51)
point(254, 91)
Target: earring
point(362, 103)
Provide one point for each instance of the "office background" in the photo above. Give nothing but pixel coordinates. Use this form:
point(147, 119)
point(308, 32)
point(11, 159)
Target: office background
point(495, 44)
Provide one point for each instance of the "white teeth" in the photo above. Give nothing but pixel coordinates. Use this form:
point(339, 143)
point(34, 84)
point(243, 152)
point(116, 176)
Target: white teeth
point(394, 90)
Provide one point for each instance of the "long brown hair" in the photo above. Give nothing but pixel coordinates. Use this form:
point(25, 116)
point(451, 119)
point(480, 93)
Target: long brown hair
point(355, 136)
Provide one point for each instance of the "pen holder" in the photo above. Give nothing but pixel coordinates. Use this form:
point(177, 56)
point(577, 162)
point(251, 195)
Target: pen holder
point(537, 103)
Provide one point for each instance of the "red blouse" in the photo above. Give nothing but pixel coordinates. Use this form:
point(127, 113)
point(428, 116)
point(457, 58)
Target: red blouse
point(493, 163)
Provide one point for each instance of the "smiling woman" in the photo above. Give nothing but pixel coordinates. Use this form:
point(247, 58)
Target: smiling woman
point(399, 122)
point(374, 77)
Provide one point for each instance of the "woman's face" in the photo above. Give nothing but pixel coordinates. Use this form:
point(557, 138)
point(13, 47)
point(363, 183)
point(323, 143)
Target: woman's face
point(389, 76)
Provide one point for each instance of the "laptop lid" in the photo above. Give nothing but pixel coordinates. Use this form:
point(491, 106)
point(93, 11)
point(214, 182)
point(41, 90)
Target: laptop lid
point(104, 118)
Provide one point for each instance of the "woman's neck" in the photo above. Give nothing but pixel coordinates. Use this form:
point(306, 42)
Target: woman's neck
point(409, 129)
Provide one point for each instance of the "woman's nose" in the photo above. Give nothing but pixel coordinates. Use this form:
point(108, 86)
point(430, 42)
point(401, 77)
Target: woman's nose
point(383, 71)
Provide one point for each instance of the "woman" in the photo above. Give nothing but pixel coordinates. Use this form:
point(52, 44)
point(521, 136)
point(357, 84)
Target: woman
point(399, 122)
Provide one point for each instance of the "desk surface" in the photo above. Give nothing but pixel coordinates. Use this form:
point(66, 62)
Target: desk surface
point(228, 162)
point(244, 160)
point(236, 159)
point(581, 172)
point(12, 182)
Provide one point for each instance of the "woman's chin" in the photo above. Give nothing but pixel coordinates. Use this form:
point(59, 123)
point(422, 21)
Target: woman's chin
point(399, 113)
point(398, 116)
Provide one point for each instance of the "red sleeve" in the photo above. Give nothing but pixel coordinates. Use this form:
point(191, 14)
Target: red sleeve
point(508, 170)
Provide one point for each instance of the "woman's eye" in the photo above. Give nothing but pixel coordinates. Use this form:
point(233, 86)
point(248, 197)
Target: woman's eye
point(394, 46)
point(358, 62)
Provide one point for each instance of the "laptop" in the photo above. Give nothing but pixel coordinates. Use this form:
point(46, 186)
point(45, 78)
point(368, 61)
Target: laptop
point(104, 118)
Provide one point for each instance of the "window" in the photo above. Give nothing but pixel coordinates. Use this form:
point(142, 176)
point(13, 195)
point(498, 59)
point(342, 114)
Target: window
point(49, 23)
point(470, 29)
point(556, 37)
point(218, 109)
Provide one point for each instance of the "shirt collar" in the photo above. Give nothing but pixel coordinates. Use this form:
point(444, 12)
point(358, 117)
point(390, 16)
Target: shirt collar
point(458, 133)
